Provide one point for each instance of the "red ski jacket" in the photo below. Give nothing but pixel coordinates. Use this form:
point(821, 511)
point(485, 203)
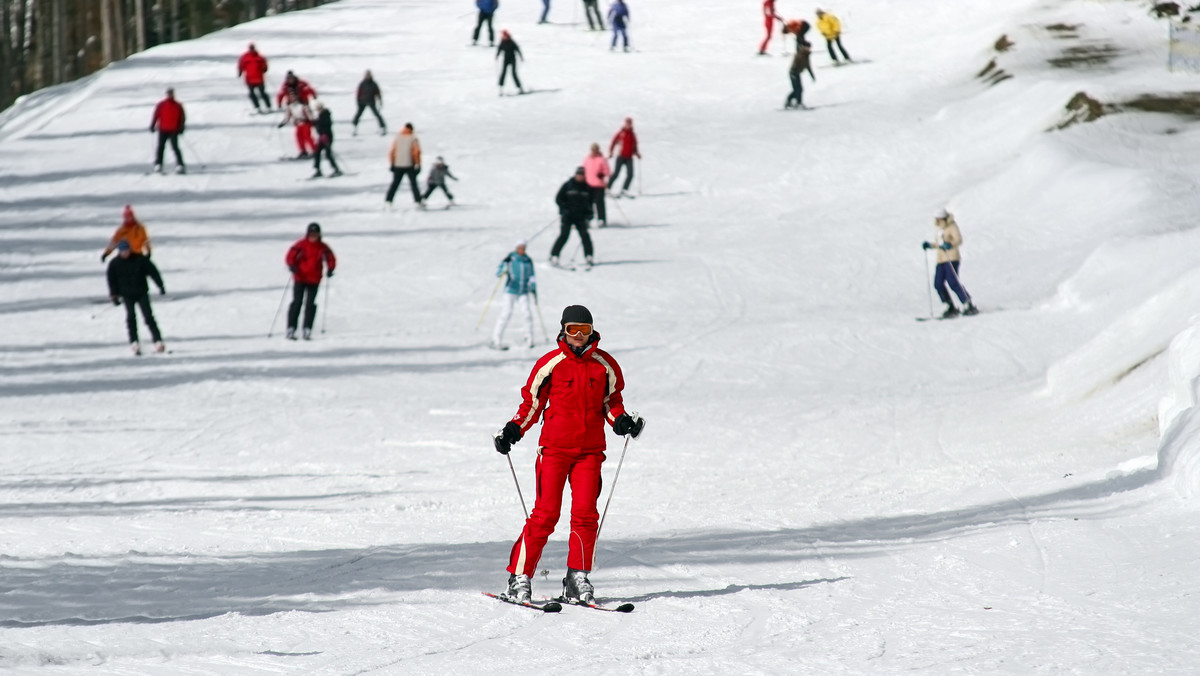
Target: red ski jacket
point(628, 141)
point(297, 91)
point(168, 117)
point(304, 259)
point(575, 395)
point(254, 66)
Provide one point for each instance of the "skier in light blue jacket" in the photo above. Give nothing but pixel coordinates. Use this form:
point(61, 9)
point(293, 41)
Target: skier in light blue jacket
point(521, 284)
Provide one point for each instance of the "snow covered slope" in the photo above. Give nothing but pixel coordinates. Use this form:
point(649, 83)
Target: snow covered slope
point(825, 486)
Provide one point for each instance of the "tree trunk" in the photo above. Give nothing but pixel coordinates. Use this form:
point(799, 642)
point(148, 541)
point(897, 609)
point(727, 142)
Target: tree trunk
point(106, 32)
point(58, 48)
point(139, 22)
point(6, 56)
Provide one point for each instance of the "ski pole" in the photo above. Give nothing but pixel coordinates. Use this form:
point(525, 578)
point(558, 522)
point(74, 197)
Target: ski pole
point(928, 284)
point(623, 214)
point(328, 283)
point(612, 489)
point(337, 158)
point(518, 483)
point(192, 149)
point(108, 306)
point(489, 302)
point(536, 304)
point(280, 308)
point(959, 280)
point(540, 231)
point(639, 163)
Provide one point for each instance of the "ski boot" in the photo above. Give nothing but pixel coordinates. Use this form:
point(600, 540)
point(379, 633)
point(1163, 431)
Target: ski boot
point(970, 310)
point(588, 263)
point(135, 348)
point(951, 312)
point(308, 334)
point(519, 588)
point(554, 261)
point(181, 169)
point(291, 333)
point(160, 346)
point(577, 588)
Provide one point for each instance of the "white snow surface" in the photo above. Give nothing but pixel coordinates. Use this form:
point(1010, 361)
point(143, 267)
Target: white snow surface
point(825, 485)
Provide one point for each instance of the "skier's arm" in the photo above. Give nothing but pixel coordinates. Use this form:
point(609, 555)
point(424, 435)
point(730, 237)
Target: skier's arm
point(614, 405)
point(535, 391)
point(152, 270)
point(330, 261)
point(111, 274)
point(292, 259)
point(154, 118)
point(450, 175)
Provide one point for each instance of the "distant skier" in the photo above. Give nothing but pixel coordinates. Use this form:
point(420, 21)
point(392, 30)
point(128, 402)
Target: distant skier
point(404, 159)
point(169, 121)
point(800, 63)
point(127, 275)
point(596, 172)
point(629, 150)
point(437, 179)
point(294, 90)
point(308, 259)
point(133, 233)
point(324, 141)
point(575, 389)
point(618, 18)
point(545, 11)
point(368, 96)
point(945, 278)
point(590, 9)
point(521, 284)
point(769, 19)
point(574, 200)
point(302, 118)
point(508, 47)
point(487, 9)
point(831, 28)
point(253, 66)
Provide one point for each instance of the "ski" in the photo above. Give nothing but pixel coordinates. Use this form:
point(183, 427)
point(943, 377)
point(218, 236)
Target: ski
point(550, 606)
point(623, 608)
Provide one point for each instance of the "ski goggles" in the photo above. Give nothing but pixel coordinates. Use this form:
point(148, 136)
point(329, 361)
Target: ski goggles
point(577, 329)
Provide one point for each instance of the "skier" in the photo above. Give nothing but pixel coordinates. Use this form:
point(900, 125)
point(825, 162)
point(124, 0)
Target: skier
point(574, 201)
point(367, 96)
point(254, 66)
point(299, 115)
point(437, 179)
point(133, 233)
point(769, 19)
point(545, 11)
point(508, 47)
point(575, 389)
point(618, 18)
point(487, 9)
point(307, 259)
point(945, 278)
point(294, 89)
point(169, 121)
point(629, 150)
point(800, 63)
point(831, 28)
point(324, 141)
point(596, 172)
point(404, 158)
point(590, 8)
point(127, 275)
point(521, 284)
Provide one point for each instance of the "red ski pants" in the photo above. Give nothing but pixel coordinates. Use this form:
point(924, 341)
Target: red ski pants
point(770, 24)
point(556, 466)
point(304, 138)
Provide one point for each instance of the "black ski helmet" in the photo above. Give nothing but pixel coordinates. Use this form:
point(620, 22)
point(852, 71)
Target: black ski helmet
point(313, 227)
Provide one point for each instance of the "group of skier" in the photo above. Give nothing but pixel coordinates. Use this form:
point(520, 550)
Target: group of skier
point(618, 19)
point(827, 24)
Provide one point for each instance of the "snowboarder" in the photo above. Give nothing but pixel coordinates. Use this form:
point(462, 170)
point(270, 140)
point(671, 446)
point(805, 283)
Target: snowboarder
point(769, 19)
point(618, 18)
point(367, 96)
point(574, 200)
point(800, 63)
point(945, 278)
point(299, 115)
point(575, 389)
point(521, 284)
point(404, 158)
point(127, 275)
point(508, 47)
point(169, 121)
point(596, 172)
point(294, 90)
point(831, 28)
point(324, 141)
point(437, 179)
point(629, 150)
point(253, 66)
point(590, 9)
point(132, 232)
point(307, 259)
point(487, 9)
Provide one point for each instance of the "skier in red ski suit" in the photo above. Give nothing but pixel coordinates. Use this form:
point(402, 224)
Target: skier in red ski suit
point(769, 19)
point(576, 390)
point(253, 66)
point(308, 260)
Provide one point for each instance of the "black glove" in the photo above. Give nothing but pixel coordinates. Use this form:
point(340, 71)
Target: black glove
point(103, 257)
point(292, 268)
point(329, 274)
point(926, 245)
point(629, 424)
point(506, 437)
point(162, 291)
point(280, 125)
point(115, 300)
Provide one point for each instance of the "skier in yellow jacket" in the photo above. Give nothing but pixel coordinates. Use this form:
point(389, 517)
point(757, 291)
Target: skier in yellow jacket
point(831, 28)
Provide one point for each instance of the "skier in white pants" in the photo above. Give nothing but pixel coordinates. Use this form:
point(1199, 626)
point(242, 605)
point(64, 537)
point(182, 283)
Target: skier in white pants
point(521, 285)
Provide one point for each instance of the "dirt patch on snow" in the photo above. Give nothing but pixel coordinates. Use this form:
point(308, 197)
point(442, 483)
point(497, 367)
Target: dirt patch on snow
point(1086, 56)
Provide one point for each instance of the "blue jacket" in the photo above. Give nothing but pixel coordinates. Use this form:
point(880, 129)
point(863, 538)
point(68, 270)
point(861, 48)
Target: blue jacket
point(618, 14)
point(520, 274)
point(487, 6)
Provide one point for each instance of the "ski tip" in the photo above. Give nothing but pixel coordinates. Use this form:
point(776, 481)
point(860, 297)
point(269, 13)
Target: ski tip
point(624, 608)
point(552, 607)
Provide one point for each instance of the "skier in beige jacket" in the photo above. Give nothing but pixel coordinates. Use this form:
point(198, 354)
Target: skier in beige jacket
point(945, 278)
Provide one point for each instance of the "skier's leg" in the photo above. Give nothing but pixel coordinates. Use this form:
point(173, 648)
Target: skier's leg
point(478, 25)
point(940, 276)
point(329, 155)
point(397, 176)
point(374, 109)
point(523, 299)
point(317, 157)
point(585, 492)
point(131, 317)
point(429, 188)
point(770, 25)
point(412, 181)
point(162, 146)
point(148, 317)
point(598, 195)
point(956, 285)
point(839, 44)
point(447, 191)
point(517, 80)
point(293, 317)
point(545, 10)
point(175, 149)
point(503, 73)
point(829, 46)
point(361, 107)
point(491, 35)
point(629, 174)
point(564, 231)
point(582, 227)
point(506, 308)
point(310, 304)
point(552, 470)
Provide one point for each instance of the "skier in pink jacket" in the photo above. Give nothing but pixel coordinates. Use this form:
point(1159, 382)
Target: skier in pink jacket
point(596, 172)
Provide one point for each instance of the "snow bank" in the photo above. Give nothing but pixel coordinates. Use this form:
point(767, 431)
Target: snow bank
point(1178, 416)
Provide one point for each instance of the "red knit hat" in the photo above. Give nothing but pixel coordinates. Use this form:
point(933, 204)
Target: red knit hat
point(129, 217)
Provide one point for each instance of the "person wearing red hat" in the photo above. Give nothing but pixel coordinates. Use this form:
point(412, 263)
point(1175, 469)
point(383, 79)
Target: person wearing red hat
point(508, 47)
point(253, 66)
point(575, 389)
point(168, 121)
point(131, 231)
point(308, 260)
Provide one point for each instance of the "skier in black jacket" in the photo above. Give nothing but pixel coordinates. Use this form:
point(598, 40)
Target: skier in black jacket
point(127, 275)
point(324, 141)
point(574, 201)
point(367, 97)
point(508, 47)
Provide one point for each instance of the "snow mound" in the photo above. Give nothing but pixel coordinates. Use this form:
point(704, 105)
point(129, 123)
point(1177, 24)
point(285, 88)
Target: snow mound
point(1179, 419)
